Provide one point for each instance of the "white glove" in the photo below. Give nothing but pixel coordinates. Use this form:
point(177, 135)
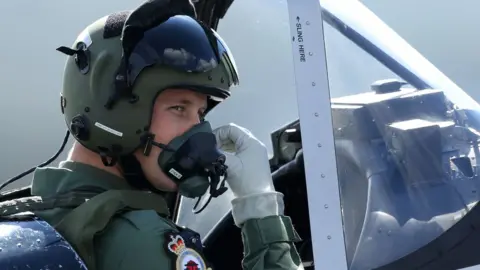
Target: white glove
point(249, 175)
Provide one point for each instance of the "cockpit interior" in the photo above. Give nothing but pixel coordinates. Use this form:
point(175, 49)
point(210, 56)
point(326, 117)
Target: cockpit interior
point(407, 172)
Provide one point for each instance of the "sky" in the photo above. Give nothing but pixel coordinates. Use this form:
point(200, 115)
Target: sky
point(33, 128)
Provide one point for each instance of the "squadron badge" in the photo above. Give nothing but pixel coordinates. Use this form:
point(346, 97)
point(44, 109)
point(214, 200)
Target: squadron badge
point(186, 258)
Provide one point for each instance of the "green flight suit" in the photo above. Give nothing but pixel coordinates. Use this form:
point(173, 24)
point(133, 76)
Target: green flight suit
point(135, 239)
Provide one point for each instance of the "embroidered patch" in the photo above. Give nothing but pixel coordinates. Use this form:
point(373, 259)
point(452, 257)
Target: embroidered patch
point(186, 258)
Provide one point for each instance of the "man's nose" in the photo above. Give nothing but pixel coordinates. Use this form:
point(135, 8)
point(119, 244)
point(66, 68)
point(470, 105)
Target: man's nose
point(193, 120)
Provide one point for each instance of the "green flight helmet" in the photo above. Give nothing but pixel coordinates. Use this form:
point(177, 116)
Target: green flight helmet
point(109, 88)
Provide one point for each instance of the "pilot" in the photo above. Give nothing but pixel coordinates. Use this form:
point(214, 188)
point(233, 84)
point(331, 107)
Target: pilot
point(135, 95)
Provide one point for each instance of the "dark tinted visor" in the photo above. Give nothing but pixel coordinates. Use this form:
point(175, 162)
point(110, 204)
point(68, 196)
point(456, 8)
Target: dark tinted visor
point(182, 43)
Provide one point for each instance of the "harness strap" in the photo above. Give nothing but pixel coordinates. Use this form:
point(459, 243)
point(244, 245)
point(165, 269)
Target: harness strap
point(81, 225)
point(92, 210)
point(70, 199)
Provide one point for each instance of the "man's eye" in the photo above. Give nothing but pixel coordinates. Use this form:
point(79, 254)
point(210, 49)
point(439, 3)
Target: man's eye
point(178, 108)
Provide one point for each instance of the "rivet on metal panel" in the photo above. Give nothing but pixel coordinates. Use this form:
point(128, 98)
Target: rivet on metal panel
point(316, 114)
point(322, 175)
point(326, 206)
point(329, 237)
point(307, 23)
point(313, 84)
point(319, 145)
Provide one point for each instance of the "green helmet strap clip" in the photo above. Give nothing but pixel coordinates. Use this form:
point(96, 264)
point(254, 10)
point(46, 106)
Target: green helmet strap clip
point(82, 56)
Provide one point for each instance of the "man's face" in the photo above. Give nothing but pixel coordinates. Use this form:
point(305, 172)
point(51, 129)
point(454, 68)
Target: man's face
point(175, 111)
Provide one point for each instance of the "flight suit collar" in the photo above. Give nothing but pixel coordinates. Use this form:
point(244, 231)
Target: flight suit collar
point(70, 175)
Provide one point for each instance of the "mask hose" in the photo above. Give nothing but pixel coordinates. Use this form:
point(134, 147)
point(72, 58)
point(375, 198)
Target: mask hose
point(219, 170)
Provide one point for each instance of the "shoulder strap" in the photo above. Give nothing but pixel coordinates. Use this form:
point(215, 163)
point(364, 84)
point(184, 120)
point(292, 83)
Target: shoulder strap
point(81, 225)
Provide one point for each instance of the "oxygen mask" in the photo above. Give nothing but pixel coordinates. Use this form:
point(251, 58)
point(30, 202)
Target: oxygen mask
point(193, 161)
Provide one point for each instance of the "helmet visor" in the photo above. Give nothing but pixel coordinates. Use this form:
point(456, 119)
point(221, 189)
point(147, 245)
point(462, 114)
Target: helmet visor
point(182, 43)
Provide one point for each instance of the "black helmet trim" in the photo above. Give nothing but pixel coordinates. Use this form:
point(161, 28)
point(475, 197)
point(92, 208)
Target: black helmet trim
point(214, 93)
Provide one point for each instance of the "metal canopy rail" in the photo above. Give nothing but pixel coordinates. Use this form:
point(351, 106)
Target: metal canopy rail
point(311, 79)
point(314, 107)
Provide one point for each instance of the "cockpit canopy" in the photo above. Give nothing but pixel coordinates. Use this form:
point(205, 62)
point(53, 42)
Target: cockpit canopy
point(406, 136)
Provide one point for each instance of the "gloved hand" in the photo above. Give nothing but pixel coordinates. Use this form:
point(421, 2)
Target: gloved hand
point(249, 175)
